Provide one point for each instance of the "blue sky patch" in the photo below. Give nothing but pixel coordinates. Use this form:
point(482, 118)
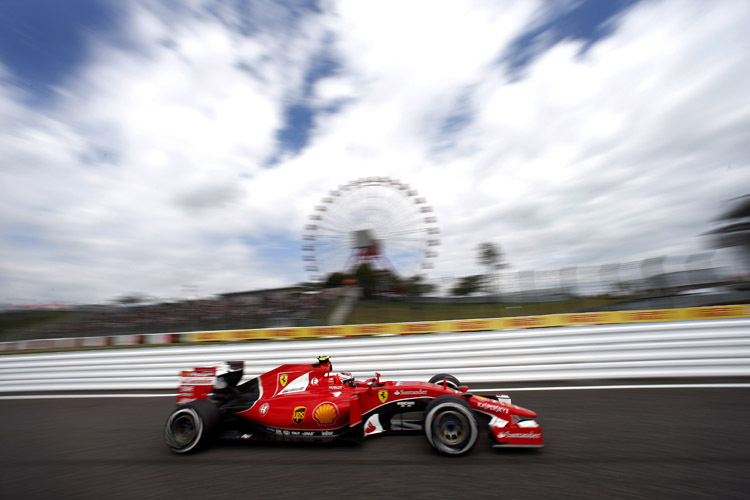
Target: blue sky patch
point(460, 116)
point(275, 248)
point(298, 121)
point(44, 41)
point(249, 17)
point(299, 115)
point(587, 21)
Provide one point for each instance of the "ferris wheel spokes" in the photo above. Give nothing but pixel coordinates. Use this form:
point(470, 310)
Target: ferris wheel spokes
point(376, 220)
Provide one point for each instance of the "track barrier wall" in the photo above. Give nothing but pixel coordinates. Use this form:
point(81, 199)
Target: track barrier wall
point(696, 349)
point(486, 324)
point(463, 325)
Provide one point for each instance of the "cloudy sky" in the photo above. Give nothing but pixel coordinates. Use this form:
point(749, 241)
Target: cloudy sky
point(179, 148)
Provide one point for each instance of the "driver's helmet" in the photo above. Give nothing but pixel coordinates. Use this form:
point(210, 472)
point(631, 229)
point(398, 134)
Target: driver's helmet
point(346, 378)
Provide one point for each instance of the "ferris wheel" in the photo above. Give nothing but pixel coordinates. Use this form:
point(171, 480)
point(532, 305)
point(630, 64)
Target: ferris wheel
point(376, 220)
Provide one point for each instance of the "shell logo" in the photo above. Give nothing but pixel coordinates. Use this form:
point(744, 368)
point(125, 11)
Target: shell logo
point(326, 413)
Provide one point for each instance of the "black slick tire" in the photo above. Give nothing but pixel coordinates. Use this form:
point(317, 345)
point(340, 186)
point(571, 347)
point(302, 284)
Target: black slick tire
point(450, 426)
point(191, 427)
point(450, 380)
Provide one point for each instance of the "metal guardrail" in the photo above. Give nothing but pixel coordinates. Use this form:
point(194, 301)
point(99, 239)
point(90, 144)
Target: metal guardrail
point(697, 349)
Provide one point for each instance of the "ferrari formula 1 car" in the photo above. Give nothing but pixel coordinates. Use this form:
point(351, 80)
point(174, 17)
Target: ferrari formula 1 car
point(308, 402)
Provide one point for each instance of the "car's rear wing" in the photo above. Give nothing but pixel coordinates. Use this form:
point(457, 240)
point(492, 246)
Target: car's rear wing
point(199, 382)
point(196, 384)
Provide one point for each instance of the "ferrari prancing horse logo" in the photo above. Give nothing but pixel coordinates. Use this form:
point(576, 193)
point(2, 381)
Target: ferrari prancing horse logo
point(383, 396)
point(283, 379)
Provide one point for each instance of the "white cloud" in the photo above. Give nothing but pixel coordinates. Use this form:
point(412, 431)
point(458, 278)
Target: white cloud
point(149, 173)
point(625, 169)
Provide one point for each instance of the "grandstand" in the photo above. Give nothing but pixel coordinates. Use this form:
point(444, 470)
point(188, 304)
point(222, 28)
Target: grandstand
point(267, 308)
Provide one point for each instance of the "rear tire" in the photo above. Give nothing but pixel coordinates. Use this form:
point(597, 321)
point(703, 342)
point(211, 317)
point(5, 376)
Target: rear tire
point(451, 381)
point(450, 426)
point(192, 426)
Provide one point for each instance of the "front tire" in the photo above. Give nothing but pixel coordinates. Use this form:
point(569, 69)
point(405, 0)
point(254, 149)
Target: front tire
point(450, 426)
point(191, 427)
point(450, 380)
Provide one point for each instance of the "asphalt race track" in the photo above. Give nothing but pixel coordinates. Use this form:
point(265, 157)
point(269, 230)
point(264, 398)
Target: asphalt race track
point(643, 443)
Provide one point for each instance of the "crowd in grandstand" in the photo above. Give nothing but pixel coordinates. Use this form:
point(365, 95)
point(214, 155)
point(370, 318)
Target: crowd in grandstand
point(262, 310)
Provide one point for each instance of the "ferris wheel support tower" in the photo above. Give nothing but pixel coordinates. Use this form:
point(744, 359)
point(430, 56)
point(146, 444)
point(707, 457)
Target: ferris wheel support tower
point(366, 250)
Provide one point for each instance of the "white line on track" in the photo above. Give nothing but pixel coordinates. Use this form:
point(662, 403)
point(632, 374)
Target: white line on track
point(477, 391)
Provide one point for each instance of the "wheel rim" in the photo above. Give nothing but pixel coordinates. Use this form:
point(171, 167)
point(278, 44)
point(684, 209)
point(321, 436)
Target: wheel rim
point(451, 429)
point(183, 429)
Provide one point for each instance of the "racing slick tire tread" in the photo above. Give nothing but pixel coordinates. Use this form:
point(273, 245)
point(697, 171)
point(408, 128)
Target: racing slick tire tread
point(192, 426)
point(453, 382)
point(450, 426)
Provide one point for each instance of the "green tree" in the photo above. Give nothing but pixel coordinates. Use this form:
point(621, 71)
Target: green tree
point(334, 280)
point(416, 286)
point(468, 285)
point(389, 282)
point(490, 256)
point(129, 300)
point(367, 279)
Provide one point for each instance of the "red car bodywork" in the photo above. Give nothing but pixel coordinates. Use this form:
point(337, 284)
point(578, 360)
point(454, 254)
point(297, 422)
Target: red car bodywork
point(309, 402)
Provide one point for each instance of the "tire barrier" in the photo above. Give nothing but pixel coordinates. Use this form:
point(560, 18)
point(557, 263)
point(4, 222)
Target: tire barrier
point(695, 349)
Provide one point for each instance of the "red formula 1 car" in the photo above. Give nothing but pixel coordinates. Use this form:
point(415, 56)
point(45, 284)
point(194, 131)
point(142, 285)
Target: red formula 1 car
point(308, 402)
